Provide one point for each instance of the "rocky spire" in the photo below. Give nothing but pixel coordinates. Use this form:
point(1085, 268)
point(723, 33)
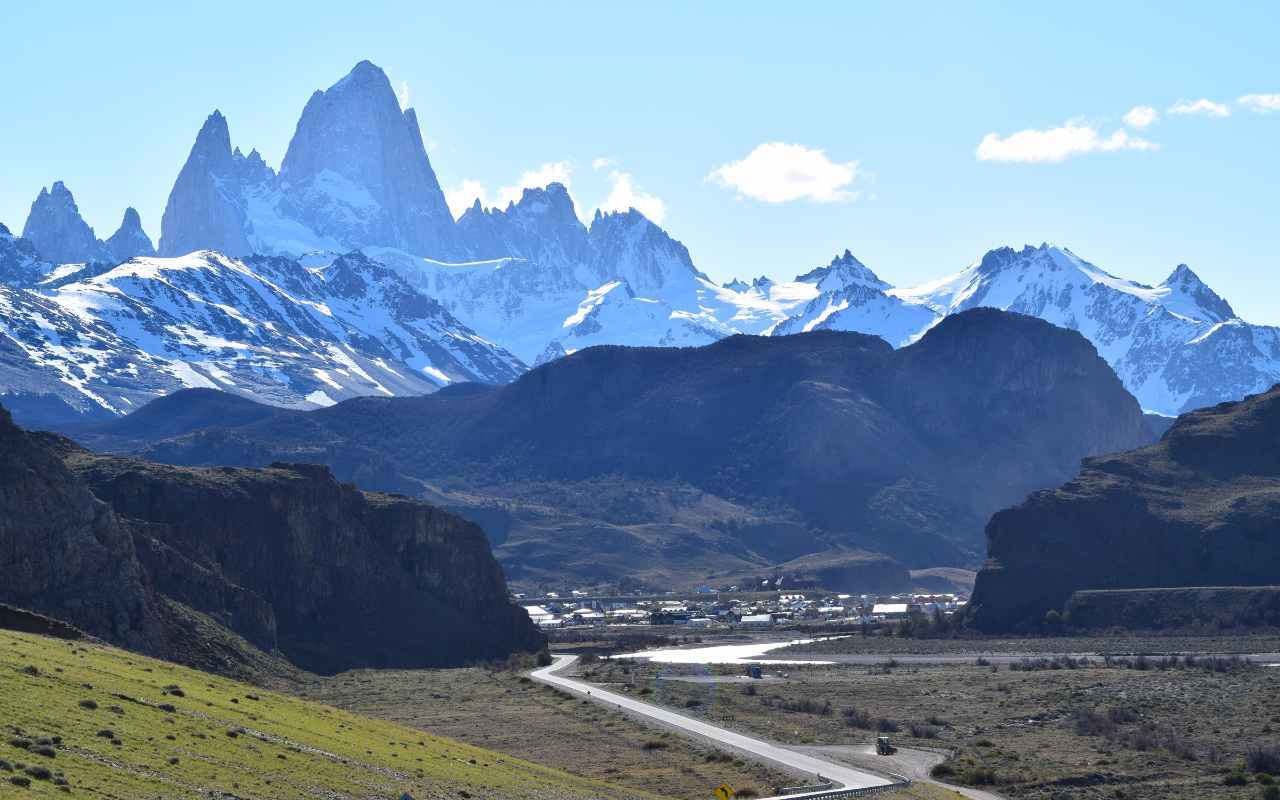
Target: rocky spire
point(130, 240)
point(357, 171)
point(206, 206)
point(626, 245)
point(57, 230)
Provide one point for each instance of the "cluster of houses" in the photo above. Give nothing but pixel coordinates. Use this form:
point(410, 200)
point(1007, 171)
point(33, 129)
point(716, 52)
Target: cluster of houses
point(713, 611)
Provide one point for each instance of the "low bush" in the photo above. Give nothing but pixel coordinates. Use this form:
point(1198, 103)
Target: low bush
point(1263, 759)
point(857, 718)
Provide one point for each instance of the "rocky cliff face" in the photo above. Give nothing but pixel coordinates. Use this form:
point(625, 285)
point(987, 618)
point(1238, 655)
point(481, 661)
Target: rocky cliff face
point(353, 579)
point(1199, 508)
point(285, 557)
point(63, 551)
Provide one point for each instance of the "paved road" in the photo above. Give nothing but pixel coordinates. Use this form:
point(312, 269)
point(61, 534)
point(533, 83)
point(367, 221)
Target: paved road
point(913, 762)
point(839, 773)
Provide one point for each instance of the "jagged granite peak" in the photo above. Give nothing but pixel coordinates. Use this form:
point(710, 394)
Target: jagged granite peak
point(357, 171)
point(57, 230)
point(205, 210)
point(543, 225)
point(130, 240)
point(843, 270)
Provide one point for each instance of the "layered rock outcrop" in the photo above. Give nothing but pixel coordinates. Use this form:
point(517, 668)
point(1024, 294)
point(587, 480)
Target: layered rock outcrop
point(1199, 508)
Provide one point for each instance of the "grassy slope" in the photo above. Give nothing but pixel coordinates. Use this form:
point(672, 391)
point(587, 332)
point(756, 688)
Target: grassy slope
point(283, 748)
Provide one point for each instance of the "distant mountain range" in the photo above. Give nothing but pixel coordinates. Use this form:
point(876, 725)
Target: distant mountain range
point(438, 301)
point(675, 466)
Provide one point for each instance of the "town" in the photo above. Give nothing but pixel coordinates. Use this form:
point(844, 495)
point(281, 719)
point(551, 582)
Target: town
point(732, 609)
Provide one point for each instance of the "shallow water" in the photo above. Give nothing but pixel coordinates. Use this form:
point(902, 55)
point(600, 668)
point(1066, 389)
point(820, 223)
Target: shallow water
point(721, 654)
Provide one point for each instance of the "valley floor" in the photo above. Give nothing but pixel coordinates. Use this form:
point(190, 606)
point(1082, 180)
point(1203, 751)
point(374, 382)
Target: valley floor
point(1044, 728)
point(504, 710)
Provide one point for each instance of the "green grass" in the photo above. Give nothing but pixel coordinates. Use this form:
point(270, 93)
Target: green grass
point(223, 738)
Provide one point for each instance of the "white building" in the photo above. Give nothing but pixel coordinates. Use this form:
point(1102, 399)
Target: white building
point(891, 610)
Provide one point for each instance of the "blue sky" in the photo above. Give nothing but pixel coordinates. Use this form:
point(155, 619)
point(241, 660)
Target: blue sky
point(916, 137)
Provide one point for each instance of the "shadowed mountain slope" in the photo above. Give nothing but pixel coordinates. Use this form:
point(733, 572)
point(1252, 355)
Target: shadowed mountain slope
point(806, 442)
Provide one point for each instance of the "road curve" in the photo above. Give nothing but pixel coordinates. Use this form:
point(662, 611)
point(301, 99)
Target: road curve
point(846, 776)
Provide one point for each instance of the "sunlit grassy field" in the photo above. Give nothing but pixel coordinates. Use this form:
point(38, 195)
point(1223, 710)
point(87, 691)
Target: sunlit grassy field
point(95, 721)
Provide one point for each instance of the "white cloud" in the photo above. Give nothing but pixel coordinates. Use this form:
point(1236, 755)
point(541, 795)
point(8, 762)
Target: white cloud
point(776, 172)
point(1199, 108)
point(1056, 144)
point(463, 195)
point(626, 195)
point(1141, 117)
point(602, 163)
point(402, 94)
point(1261, 103)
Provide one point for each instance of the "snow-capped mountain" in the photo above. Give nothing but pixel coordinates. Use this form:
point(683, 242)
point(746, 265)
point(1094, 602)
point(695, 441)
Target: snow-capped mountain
point(851, 297)
point(271, 328)
point(564, 286)
point(1177, 346)
point(498, 287)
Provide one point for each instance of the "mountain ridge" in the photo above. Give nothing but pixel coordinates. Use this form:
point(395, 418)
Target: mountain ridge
point(729, 457)
point(537, 282)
